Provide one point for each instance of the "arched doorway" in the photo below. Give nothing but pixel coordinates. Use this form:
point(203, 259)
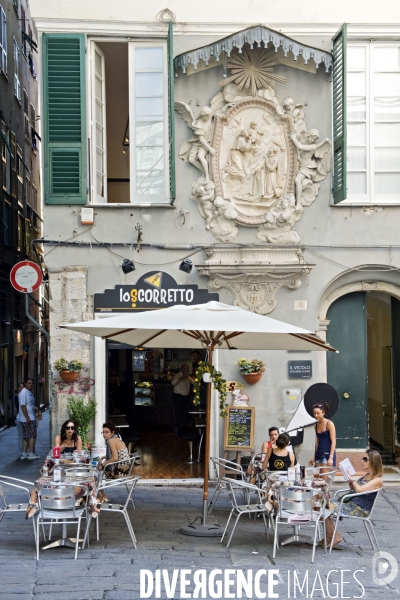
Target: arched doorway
point(365, 327)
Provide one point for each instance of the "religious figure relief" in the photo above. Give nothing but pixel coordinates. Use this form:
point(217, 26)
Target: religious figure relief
point(196, 149)
point(315, 164)
point(259, 164)
point(279, 222)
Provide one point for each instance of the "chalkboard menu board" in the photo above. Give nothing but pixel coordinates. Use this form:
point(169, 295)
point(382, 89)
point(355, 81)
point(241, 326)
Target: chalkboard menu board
point(239, 428)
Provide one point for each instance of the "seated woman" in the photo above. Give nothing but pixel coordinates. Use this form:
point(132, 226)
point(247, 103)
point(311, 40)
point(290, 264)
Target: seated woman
point(116, 452)
point(68, 441)
point(279, 458)
point(359, 506)
point(254, 469)
point(273, 433)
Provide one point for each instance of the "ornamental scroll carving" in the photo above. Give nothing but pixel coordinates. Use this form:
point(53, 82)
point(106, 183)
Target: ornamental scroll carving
point(260, 166)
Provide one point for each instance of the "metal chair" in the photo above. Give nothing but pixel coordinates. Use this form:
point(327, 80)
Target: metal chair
point(57, 502)
point(296, 499)
point(244, 509)
point(17, 506)
point(131, 464)
point(338, 515)
point(223, 469)
point(111, 484)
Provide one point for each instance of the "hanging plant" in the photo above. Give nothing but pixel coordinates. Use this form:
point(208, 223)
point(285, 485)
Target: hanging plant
point(251, 370)
point(219, 384)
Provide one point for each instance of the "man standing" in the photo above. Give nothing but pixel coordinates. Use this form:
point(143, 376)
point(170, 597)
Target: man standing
point(181, 384)
point(27, 416)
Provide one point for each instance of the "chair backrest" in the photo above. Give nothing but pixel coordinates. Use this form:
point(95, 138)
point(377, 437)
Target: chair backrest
point(224, 467)
point(130, 481)
point(376, 492)
point(11, 482)
point(58, 497)
point(82, 471)
point(231, 492)
point(295, 500)
point(233, 485)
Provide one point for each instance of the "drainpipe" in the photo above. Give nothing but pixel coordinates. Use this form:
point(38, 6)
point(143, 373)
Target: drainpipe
point(32, 320)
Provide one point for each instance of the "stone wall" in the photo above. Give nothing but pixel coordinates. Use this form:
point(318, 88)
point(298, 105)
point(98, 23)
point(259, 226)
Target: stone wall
point(68, 303)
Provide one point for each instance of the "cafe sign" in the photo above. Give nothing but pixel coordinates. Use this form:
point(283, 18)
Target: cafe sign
point(152, 291)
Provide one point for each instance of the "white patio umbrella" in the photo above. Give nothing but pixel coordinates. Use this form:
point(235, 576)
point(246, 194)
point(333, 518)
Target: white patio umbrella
point(211, 326)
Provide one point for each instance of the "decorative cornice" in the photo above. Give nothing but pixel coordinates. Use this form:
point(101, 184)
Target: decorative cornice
point(156, 29)
point(253, 36)
point(254, 275)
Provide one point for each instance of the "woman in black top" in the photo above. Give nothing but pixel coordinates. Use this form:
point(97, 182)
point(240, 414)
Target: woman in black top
point(68, 440)
point(279, 459)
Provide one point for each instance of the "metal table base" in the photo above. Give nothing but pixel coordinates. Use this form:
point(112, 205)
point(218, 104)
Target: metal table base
point(64, 541)
point(297, 537)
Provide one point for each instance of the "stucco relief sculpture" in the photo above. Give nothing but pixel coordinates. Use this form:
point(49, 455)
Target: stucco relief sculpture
point(260, 165)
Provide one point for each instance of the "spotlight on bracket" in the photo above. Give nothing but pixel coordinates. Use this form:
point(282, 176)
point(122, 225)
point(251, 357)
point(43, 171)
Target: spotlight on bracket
point(127, 266)
point(186, 266)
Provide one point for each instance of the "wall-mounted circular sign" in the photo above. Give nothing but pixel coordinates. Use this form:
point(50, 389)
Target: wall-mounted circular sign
point(26, 276)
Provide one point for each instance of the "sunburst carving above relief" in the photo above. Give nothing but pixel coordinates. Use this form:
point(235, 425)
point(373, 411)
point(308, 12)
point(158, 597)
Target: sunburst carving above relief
point(252, 70)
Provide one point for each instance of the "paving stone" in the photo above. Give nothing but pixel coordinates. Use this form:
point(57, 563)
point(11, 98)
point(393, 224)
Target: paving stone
point(110, 569)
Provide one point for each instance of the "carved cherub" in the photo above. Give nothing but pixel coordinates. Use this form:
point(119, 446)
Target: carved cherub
point(195, 149)
point(315, 161)
point(203, 193)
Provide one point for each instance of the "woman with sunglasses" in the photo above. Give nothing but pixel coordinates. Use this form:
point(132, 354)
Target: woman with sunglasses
point(359, 506)
point(68, 440)
point(325, 444)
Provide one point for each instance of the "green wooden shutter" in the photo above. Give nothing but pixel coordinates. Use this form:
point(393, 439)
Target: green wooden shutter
point(339, 116)
point(65, 168)
point(171, 84)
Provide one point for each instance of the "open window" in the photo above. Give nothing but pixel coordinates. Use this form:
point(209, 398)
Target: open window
point(366, 118)
point(129, 122)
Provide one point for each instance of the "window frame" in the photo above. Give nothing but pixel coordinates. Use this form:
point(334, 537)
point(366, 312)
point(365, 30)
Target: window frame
point(3, 38)
point(157, 200)
point(17, 78)
point(7, 232)
point(370, 198)
point(148, 198)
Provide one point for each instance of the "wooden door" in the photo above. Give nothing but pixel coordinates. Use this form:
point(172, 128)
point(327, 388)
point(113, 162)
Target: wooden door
point(347, 371)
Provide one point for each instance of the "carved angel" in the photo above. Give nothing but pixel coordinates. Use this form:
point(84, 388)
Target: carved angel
point(315, 162)
point(196, 149)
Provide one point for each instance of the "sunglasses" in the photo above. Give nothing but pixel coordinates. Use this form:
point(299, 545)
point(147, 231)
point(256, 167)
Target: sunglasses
point(365, 458)
point(70, 427)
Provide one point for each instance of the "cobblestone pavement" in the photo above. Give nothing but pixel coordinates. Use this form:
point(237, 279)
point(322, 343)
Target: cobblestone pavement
point(110, 568)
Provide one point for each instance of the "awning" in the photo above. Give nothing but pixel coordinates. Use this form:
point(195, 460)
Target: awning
point(253, 35)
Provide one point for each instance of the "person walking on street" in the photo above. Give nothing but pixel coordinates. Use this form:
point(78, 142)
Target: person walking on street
point(18, 423)
point(181, 384)
point(27, 416)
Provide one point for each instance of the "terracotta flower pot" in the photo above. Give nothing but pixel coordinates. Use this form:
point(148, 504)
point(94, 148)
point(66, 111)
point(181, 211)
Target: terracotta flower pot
point(69, 376)
point(251, 377)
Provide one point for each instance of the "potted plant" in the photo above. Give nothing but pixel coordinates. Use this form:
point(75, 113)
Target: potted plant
point(69, 371)
point(251, 370)
point(83, 413)
point(219, 383)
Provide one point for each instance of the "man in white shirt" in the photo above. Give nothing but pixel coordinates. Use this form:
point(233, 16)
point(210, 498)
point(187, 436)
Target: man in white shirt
point(181, 384)
point(27, 416)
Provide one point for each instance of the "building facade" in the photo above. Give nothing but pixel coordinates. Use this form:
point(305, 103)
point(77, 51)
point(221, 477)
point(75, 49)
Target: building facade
point(268, 154)
point(22, 349)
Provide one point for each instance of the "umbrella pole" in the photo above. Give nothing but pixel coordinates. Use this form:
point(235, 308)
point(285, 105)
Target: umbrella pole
point(207, 444)
point(202, 529)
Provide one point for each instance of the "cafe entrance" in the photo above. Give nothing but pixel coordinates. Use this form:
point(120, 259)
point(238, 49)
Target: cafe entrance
point(140, 402)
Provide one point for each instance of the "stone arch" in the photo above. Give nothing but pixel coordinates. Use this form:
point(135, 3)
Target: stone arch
point(348, 288)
